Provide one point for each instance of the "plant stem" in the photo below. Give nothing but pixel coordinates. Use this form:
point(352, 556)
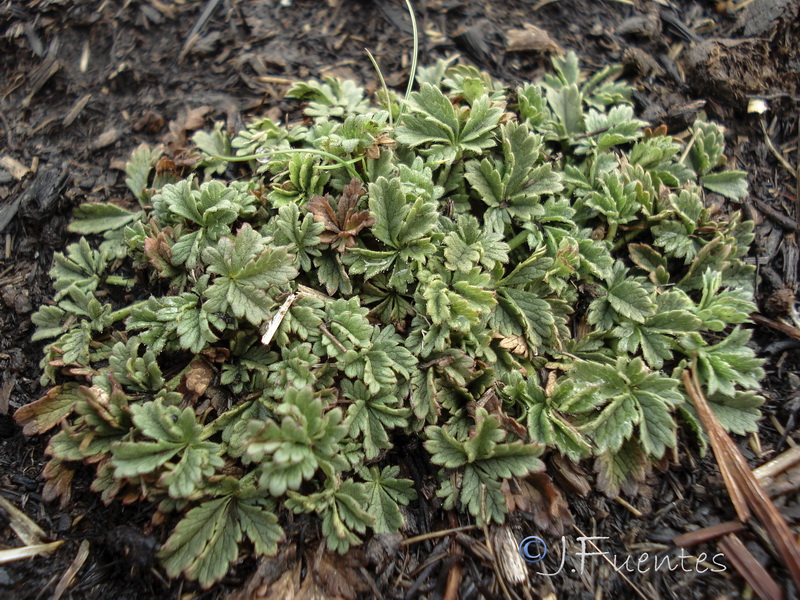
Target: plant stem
point(338, 159)
point(414, 57)
point(518, 239)
point(383, 85)
point(124, 312)
point(117, 280)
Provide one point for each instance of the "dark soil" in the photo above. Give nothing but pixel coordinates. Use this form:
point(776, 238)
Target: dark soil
point(83, 83)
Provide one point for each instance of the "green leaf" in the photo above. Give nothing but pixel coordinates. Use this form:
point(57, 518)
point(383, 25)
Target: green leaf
point(205, 542)
point(141, 373)
point(385, 493)
point(370, 415)
point(625, 296)
point(260, 525)
point(138, 171)
point(434, 120)
point(50, 322)
point(383, 364)
point(726, 364)
point(731, 184)
point(487, 460)
point(627, 396)
point(424, 395)
point(739, 413)
point(341, 507)
point(98, 217)
point(716, 309)
point(709, 144)
point(631, 300)
point(333, 97)
point(656, 337)
point(514, 186)
point(300, 237)
point(618, 202)
point(292, 449)
point(519, 312)
point(216, 143)
point(546, 425)
point(399, 220)
point(177, 434)
point(245, 268)
point(565, 104)
point(82, 267)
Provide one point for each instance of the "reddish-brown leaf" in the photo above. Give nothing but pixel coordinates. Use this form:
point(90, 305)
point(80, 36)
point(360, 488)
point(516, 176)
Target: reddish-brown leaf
point(49, 410)
point(59, 482)
point(196, 380)
point(343, 224)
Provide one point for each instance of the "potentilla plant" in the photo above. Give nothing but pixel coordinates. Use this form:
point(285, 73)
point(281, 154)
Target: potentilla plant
point(494, 273)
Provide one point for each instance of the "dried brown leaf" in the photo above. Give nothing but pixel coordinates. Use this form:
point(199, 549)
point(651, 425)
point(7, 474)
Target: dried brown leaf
point(58, 482)
point(490, 401)
point(570, 474)
point(159, 252)
point(538, 496)
point(632, 459)
point(275, 577)
point(513, 343)
point(26, 528)
point(337, 576)
point(5, 393)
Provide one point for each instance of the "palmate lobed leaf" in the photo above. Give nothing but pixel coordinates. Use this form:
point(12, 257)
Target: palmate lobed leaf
point(434, 120)
point(245, 269)
point(178, 436)
point(487, 460)
point(206, 540)
point(629, 397)
point(386, 492)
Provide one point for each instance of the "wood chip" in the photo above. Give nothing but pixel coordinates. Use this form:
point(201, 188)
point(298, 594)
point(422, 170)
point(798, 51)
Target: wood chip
point(792, 332)
point(14, 167)
point(5, 391)
point(276, 321)
point(778, 465)
point(41, 75)
point(108, 137)
point(531, 38)
point(706, 534)
point(76, 109)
